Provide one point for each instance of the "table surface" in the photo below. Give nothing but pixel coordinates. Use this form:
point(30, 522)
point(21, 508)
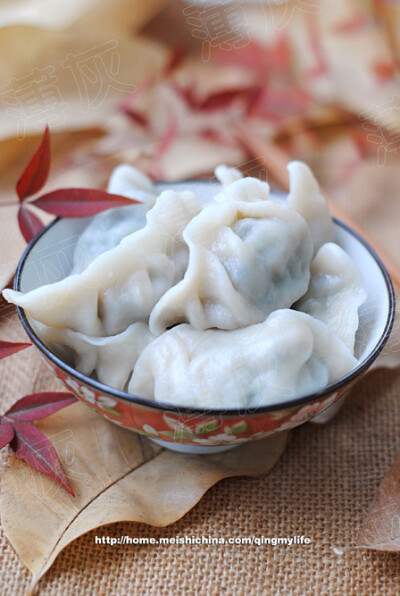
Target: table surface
point(321, 488)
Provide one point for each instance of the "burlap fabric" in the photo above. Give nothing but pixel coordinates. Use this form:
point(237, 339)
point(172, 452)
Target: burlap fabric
point(321, 488)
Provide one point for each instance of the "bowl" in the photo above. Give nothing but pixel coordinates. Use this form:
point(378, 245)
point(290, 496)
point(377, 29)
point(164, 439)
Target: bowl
point(48, 258)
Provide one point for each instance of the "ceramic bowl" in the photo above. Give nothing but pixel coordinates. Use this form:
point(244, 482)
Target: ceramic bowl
point(48, 259)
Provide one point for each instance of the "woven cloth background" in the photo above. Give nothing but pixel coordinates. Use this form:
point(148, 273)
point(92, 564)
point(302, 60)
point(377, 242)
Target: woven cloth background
point(320, 488)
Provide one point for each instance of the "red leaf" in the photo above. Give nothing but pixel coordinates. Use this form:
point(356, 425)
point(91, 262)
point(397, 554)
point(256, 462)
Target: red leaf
point(36, 450)
point(252, 56)
point(6, 433)
point(223, 99)
point(361, 143)
point(135, 95)
point(279, 56)
point(167, 139)
point(186, 93)
point(211, 134)
point(36, 172)
point(137, 117)
point(216, 101)
point(29, 223)
point(314, 36)
point(39, 405)
point(175, 59)
point(358, 20)
point(79, 202)
point(274, 102)
point(7, 348)
point(384, 71)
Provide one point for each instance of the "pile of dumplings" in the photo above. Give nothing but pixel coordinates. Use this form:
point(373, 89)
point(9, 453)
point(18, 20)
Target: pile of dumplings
point(239, 301)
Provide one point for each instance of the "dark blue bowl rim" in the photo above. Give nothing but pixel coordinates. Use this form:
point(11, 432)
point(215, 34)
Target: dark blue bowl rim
point(165, 407)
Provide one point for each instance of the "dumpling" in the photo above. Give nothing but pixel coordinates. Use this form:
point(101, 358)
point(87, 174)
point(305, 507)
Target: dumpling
point(111, 359)
point(335, 292)
point(305, 197)
point(121, 286)
point(244, 189)
point(246, 259)
point(286, 356)
point(226, 175)
point(106, 230)
point(130, 182)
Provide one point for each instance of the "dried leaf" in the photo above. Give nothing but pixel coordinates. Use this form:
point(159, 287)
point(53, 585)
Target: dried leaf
point(39, 405)
point(6, 432)
point(117, 476)
point(36, 450)
point(36, 172)
point(79, 202)
point(381, 529)
point(7, 348)
point(29, 223)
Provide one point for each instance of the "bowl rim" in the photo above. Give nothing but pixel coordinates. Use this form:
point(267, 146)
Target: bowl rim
point(302, 400)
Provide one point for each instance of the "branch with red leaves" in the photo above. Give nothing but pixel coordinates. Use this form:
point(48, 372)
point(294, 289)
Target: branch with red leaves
point(64, 202)
point(15, 429)
point(25, 439)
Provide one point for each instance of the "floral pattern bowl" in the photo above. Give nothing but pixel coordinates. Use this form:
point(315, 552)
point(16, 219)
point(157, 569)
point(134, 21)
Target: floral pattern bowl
point(48, 258)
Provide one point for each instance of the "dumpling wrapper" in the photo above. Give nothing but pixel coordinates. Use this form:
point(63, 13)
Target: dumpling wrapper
point(111, 359)
point(246, 259)
point(244, 190)
point(121, 286)
point(226, 174)
point(305, 197)
point(106, 229)
point(335, 292)
point(287, 355)
point(127, 181)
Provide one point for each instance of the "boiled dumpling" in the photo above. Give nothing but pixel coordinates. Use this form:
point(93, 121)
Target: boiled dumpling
point(111, 359)
point(244, 189)
point(121, 286)
point(246, 259)
point(106, 229)
point(287, 355)
point(305, 197)
point(335, 292)
point(226, 175)
point(127, 181)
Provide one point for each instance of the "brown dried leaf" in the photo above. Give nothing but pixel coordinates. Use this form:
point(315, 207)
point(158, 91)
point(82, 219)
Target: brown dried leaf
point(381, 527)
point(116, 476)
